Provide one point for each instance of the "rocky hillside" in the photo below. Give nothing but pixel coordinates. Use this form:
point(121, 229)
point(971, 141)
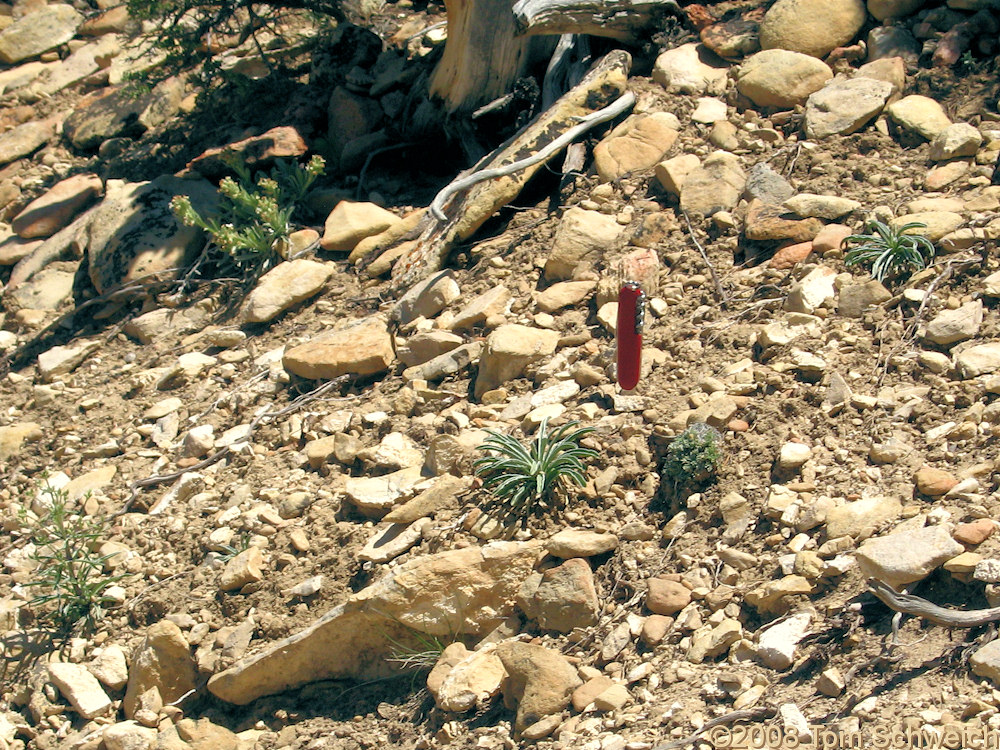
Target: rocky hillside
point(273, 486)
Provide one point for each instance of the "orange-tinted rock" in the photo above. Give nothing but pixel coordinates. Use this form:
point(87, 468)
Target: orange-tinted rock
point(790, 255)
point(256, 151)
point(933, 482)
point(666, 597)
point(54, 210)
point(975, 532)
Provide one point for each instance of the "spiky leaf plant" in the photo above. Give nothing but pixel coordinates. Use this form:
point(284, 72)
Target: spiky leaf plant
point(889, 250)
point(534, 478)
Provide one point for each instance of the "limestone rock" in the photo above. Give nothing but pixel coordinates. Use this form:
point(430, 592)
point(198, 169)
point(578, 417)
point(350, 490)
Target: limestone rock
point(714, 186)
point(49, 213)
point(905, 557)
point(564, 294)
point(61, 360)
point(810, 292)
point(638, 143)
point(203, 734)
point(767, 222)
point(441, 495)
point(38, 32)
point(582, 239)
point(464, 591)
point(362, 348)
point(284, 286)
point(116, 112)
point(951, 326)
point(861, 518)
point(690, 69)
point(162, 661)
point(883, 9)
point(471, 682)
point(781, 78)
point(828, 207)
point(133, 233)
point(242, 569)
point(845, 106)
point(83, 62)
point(427, 298)
point(978, 360)
point(955, 141)
point(540, 682)
point(426, 345)
point(767, 186)
point(392, 541)
point(80, 688)
point(491, 302)
point(562, 598)
point(936, 223)
point(375, 496)
point(854, 299)
point(509, 349)
point(110, 667)
point(986, 662)
point(570, 543)
point(919, 114)
point(13, 436)
point(776, 645)
point(448, 363)
point(351, 222)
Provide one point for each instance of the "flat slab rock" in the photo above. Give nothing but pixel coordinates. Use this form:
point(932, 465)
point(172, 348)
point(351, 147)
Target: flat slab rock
point(465, 591)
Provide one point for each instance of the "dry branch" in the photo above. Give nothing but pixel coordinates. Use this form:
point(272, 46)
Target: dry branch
point(573, 112)
point(914, 605)
point(618, 19)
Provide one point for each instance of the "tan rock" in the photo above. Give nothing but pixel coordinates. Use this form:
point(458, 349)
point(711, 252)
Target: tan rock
point(472, 682)
point(489, 303)
point(54, 210)
point(562, 598)
point(14, 436)
point(540, 682)
point(583, 237)
point(244, 568)
point(933, 482)
point(283, 287)
point(256, 152)
point(902, 558)
point(509, 349)
point(203, 734)
point(638, 144)
point(465, 591)
point(781, 78)
point(919, 114)
point(570, 543)
point(666, 597)
point(672, 172)
point(162, 661)
point(350, 222)
point(564, 294)
point(80, 688)
point(812, 27)
point(363, 348)
point(584, 695)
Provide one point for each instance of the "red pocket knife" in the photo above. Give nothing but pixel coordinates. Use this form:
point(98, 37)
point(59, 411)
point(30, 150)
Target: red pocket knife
point(631, 312)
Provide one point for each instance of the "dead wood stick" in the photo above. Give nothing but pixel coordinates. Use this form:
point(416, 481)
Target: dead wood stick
point(747, 714)
point(616, 19)
point(914, 605)
point(621, 105)
point(720, 292)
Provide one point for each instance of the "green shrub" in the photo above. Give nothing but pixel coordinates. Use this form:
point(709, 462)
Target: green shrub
point(70, 577)
point(693, 456)
point(252, 228)
point(525, 480)
point(889, 251)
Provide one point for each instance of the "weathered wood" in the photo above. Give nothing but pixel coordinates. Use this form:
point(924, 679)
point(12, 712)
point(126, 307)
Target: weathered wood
point(483, 56)
point(603, 85)
point(623, 20)
point(914, 605)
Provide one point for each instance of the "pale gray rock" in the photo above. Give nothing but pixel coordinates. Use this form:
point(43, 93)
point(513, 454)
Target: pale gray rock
point(812, 27)
point(986, 662)
point(951, 326)
point(845, 106)
point(781, 78)
point(81, 63)
point(375, 496)
point(80, 688)
point(776, 645)
point(110, 667)
point(129, 735)
point(38, 32)
point(907, 556)
point(283, 287)
point(854, 299)
point(562, 598)
point(450, 362)
point(466, 591)
point(49, 289)
point(134, 235)
point(810, 292)
point(766, 185)
point(471, 682)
